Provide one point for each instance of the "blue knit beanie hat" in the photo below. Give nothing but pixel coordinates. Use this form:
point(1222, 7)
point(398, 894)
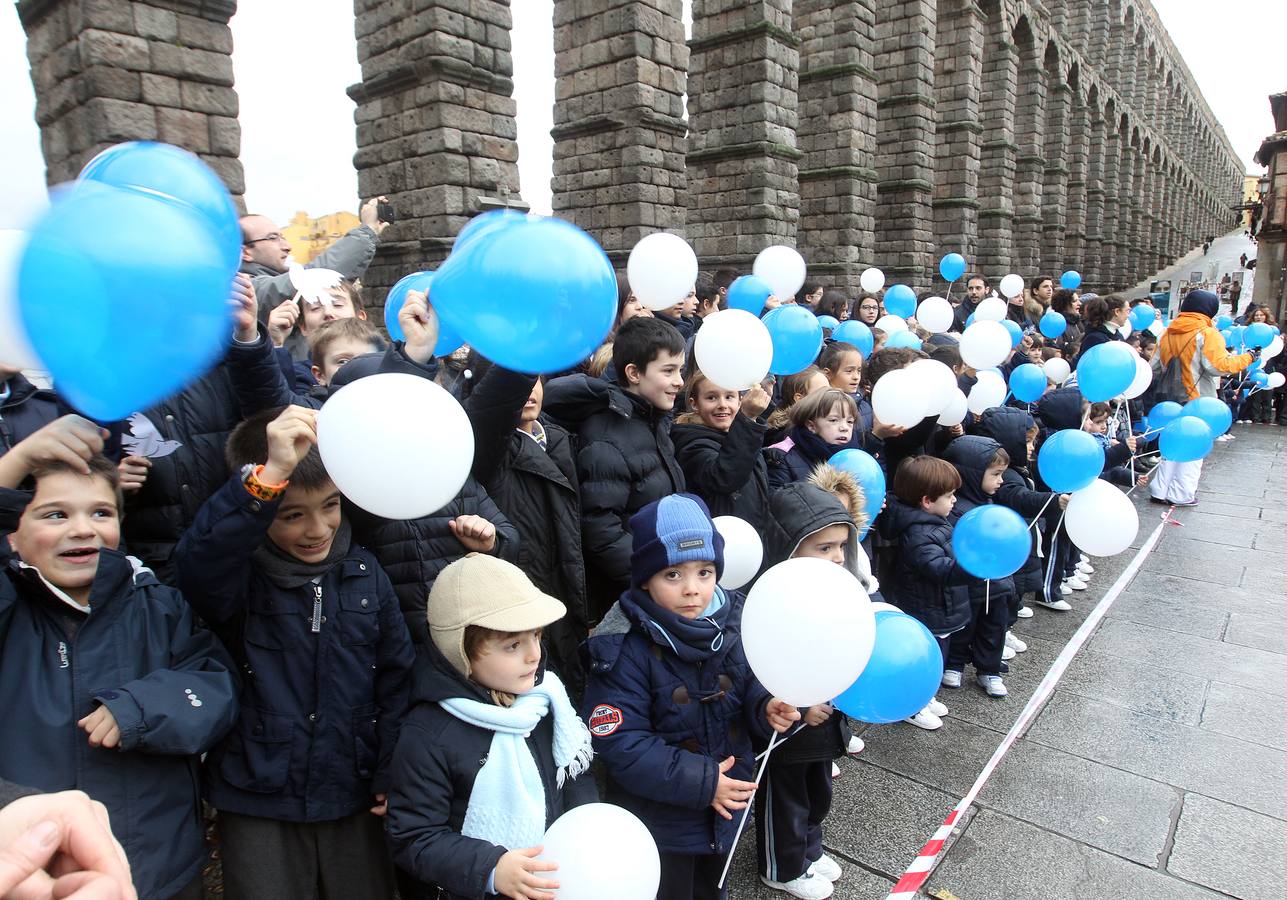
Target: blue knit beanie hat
point(1204, 302)
point(673, 530)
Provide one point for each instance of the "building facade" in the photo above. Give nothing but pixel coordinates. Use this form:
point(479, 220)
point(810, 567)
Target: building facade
point(1271, 250)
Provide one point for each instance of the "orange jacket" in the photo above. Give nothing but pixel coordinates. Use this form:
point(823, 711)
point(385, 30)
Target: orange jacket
point(1203, 355)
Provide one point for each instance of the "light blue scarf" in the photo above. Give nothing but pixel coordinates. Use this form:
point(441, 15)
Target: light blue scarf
point(507, 804)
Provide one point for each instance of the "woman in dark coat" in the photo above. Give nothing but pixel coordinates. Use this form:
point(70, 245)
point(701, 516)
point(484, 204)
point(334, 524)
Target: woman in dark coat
point(1104, 317)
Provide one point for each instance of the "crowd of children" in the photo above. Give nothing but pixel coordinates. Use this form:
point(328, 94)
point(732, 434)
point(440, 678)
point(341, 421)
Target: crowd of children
point(370, 705)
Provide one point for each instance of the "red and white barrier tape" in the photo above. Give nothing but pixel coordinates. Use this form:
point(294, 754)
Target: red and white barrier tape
point(919, 871)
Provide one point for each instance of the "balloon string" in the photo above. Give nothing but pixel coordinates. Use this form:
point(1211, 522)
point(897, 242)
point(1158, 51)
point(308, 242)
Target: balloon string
point(1037, 517)
point(1128, 426)
point(786, 737)
point(987, 596)
point(1146, 477)
point(737, 836)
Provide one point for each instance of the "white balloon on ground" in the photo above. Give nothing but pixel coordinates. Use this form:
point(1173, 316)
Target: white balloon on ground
point(935, 315)
point(1143, 378)
point(1272, 349)
point(871, 280)
point(937, 383)
point(743, 551)
point(807, 630)
point(954, 412)
point(990, 309)
point(733, 349)
point(985, 344)
point(988, 391)
point(782, 267)
point(1057, 369)
point(661, 270)
point(890, 323)
point(393, 422)
point(602, 851)
point(1101, 520)
point(1011, 285)
point(15, 348)
point(898, 399)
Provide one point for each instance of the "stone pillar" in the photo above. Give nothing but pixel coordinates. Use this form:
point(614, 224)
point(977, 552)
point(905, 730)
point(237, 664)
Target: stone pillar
point(1093, 274)
point(129, 70)
point(1054, 193)
point(837, 127)
point(997, 163)
point(1030, 135)
point(742, 157)
point(1125, 236)
point(619, 133)
point(958, 76)
point(1078, 176)
point(1112, 169)
point(905, 140)
point(435, 123)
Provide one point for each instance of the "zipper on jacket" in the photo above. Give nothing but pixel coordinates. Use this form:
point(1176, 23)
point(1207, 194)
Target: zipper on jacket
point(317, 609)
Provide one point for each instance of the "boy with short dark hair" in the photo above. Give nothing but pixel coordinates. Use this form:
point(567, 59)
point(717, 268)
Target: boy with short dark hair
point(339, 341)
point(301, 782)
point(107, 682)
point(626, 459)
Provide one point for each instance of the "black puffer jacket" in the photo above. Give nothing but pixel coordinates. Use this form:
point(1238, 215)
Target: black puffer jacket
point(537, 491)
point(794, 457)
point(434, 766)
point(726, 468)
point(928, 584)
point(970, 455)
point(625, 460)
point(25, 410)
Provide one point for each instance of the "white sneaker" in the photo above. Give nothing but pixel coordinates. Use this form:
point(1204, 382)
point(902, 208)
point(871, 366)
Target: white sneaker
point(806, 887)
point(951, 678)
point(835, 771)
point(1015, 643)
point(925, 719)
point(1085, 568)
point(1225, 437)
point(1077, 583)
point(826, 867)
point(1025, 612)
point(1064, 588)
point(1061, 605)
point(1007, 653)
point(992, 685)
point(937, 707)
point(1083, 558)
point(856, 745)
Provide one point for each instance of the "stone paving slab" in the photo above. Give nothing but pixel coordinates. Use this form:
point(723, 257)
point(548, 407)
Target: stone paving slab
point(1197, 595)
point(1261, 632)
point(949, 759)
point(1227, 572)
point(1170, 614)
point(1230, 849)
point(1246, 714)
point(1135, 686)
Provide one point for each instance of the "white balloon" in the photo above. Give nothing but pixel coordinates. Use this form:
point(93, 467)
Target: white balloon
point(389, 423)
point(1101, 520)
point(15, 348)
point(782, 267)
point(1271, 350)
point(807, 629)
point(898, 399)
point(1057, 369)
point(990, 309)
point(1011, 285)
point(1125, 329)
point(661, 270)
point(988, 391)
point(743, 551)
point(935, 315)
point(1143, 378)
point(985, 344)
point(871, 280)
point(955, 410)
point(733, 349)
point(889, 323)
point(1277, 380)
point(937, 384)
point(602, 851)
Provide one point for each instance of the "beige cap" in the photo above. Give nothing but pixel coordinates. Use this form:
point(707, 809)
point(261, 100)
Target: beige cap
point(482, 590)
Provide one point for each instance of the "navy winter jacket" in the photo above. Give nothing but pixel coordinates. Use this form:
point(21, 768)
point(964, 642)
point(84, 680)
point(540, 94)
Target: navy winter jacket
point(166, 680)
point(662, 725)
point(25, 409)
point(1100, 334)
point(796, 456)
point(726, 468)
point(970, 455)
point(325, 668)
point(927, 584)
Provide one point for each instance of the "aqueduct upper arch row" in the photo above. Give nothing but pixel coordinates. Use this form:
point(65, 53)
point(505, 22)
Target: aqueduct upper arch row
point(1029, 136)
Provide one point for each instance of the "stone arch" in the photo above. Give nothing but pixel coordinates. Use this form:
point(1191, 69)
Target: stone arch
point(1093, 239)
point(1056, 168)
point(998, 151)
point(1030, 136)
point(1080, 113)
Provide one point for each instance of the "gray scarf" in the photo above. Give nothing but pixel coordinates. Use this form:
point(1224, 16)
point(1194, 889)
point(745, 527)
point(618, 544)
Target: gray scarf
point(287, 572)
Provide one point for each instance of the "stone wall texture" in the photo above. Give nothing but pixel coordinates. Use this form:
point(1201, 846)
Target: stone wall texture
point(1029, 136)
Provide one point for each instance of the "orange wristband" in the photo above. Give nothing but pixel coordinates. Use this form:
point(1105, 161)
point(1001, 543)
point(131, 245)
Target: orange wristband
point(259, 489)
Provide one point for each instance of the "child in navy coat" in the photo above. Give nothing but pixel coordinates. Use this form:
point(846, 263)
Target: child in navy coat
point(108, 684)
point(671, 701)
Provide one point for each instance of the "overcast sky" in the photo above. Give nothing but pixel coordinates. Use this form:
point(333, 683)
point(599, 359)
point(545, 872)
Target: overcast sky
point(294, 58)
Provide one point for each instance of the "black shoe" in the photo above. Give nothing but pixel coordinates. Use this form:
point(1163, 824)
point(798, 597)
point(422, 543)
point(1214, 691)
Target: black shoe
point(1159, 502)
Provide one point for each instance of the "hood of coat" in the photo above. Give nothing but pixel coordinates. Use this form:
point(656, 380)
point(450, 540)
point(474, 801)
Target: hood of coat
point(20, 389)
point(691, 433)
point(1060, 409)
point(574, 398)
point(800, 509)
point(971, 455)
point(1008, 426)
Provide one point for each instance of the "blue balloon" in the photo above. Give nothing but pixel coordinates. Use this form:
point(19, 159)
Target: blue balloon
point(1142, 316)
point(870, 477)
point(1070, 460)
point(178, 175)
point(828, 322)
point(1163, 414)
point(1070, 280)
point(1016, 333)
point(1223, 322)
point(904, 671)
point(1105, 370)
point(900, 300)
point(1028, 383)
point(903, 339)
point(857, 333)
point(485, 223)
point(1214, 412)
point(1235, 337)
point(991, 541)
point(120, 324)
point(969, 320)
point(1258, 335)
point(749, 293)
point(797, 338)
point(448, 342)
point(1053, 324)
point(503, 294)
point(1186, 439)
point(952, 266)
point(1227, 334)
point(1260, 379)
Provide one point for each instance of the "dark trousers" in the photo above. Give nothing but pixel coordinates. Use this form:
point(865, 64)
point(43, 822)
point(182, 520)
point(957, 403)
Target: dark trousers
point(192, 891)
point(264, 859)
point(790, 805)
point(981, 641)
point(688, 877)
point(1259, 407)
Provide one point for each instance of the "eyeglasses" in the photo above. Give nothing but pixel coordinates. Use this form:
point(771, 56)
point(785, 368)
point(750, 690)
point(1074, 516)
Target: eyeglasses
point(866, 306)
point(275, 236)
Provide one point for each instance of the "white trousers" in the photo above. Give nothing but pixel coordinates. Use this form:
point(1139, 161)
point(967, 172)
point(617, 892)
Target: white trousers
point(1176, 482)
